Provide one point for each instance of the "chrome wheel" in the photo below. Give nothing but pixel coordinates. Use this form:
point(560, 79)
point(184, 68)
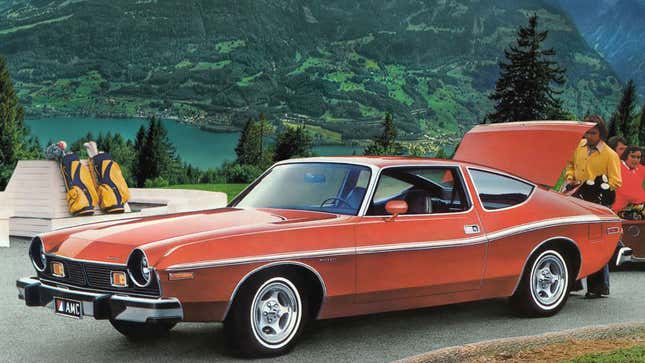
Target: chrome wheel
point(276, 312)
point(549, 279)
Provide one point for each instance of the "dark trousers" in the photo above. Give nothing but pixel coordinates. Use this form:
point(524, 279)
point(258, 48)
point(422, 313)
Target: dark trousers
point(598, 283)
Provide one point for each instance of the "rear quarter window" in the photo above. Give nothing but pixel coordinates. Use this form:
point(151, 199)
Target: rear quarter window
point(496, 191)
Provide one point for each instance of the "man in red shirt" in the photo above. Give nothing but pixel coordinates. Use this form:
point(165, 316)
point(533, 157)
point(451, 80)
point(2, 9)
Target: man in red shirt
point(633, 175)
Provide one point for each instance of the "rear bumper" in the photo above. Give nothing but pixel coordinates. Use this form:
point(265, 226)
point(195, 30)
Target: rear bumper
point(101, 305)
point(625, 254)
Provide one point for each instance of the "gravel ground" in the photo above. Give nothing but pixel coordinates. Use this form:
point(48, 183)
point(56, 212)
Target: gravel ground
point(37, 335)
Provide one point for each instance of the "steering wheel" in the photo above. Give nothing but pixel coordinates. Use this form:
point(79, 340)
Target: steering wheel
point(333, 199)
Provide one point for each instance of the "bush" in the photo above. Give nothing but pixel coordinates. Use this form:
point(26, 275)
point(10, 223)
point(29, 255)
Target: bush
point(157, 182)
point(236, 173)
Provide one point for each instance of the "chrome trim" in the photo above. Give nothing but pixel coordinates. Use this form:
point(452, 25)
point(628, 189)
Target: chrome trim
point(141, 315)
point(400, 247)
point(152, 269)
point(273, 264)
point(528, 257)
point(69, 287)
point(85, 261)
point(33, 261)
point(614, 230)
point(262, 258)
point(372, 190)
point(493, 171)
point(415, 246)
point(625, 254)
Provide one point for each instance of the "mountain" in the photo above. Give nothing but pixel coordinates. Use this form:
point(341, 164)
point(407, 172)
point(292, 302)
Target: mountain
point(616, 29)
point(335, 65)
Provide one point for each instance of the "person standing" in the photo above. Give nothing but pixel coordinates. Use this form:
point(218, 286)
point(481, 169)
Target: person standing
point(618, 143)
point(593, 158)
point(633, 175)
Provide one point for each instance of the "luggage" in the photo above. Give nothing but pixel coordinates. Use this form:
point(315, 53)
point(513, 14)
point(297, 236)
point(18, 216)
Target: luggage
point(81, 192)
point(112, 188)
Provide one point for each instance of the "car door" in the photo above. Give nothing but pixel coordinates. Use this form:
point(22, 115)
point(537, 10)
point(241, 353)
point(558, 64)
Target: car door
point(437, 247)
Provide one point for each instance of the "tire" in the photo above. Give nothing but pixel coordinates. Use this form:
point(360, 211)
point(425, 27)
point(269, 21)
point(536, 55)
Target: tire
point(545, 285)
point(142, 331)
point(267, 316)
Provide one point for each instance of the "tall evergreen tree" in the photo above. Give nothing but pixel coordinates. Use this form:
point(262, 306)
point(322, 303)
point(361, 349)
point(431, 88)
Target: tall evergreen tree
point(385, 143)
point(641, 127)
point(12, 128)
point(624, 116)
point(525, 90)
point(137, 165)
point(248, 146)
point(292, 142)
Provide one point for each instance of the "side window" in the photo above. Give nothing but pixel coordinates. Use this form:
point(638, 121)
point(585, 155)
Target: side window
point(498, 191)
point(426, 190)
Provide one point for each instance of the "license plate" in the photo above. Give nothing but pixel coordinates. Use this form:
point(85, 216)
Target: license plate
point(66, 307)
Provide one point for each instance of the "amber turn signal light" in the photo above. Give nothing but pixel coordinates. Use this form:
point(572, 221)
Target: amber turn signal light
point(58, 269)
point(180, 276)
point(118, 279)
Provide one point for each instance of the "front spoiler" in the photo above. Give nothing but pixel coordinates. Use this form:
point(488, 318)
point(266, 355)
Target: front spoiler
point(102, 305)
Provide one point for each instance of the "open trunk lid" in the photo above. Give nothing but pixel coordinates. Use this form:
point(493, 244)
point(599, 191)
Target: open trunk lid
point(534, 150)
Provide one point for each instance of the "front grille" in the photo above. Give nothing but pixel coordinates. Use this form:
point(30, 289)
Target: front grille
point(96, 276)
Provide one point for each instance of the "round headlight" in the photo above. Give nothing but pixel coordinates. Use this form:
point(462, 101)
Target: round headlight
point(138, 269)
point(37, 254)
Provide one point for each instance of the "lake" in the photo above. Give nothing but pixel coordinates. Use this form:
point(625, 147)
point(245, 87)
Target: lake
point(195, 146)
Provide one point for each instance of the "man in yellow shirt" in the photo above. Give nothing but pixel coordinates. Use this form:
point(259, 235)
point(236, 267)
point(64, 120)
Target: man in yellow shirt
point(593, 158)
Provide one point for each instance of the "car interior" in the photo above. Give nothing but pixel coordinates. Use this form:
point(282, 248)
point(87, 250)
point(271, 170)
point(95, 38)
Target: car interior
point(426, 191)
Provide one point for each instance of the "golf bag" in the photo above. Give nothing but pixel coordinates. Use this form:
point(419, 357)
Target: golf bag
point(81, 194)
point(112, 189)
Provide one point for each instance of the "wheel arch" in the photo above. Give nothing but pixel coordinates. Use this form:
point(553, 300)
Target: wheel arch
point(315, 285)
point(565, 245)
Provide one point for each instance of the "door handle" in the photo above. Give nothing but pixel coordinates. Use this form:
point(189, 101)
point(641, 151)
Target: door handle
point(472, 229)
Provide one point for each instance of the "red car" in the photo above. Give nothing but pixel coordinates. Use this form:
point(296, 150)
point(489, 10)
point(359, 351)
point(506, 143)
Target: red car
point(330, 237)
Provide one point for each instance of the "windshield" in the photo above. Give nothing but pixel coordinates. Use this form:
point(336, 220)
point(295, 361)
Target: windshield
point(324, 187)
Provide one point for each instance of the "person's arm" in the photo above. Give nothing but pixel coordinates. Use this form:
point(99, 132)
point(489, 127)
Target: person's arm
point(613, 172)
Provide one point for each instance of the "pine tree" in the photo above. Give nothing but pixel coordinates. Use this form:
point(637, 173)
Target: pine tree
point(137, 165)
point(625, 113)
point(248, 146)
point(524, 90)
point(292, 142)
point(385, 144)
point(12, 128)
point(641, 127)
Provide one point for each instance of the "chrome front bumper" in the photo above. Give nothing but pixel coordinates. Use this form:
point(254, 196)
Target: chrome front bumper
point(102, 305)
point(625, 254)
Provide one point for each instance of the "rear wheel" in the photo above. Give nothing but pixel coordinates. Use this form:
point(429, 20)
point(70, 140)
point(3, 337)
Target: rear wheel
point(545, 285)
point(140, 331)
point(267, 316)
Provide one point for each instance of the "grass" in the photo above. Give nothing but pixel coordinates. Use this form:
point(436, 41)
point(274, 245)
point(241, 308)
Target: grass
point(29, 26)
point(634, 354)
point(229, 46)
point(231, 190)
point(203, 66)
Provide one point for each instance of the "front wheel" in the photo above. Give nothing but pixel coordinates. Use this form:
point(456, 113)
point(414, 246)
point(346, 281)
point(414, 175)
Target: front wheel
point(267, 316)
point(544, 288)
point(141, 331)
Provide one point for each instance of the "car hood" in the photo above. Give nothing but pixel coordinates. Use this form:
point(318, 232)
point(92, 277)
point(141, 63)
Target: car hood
point(113, 243)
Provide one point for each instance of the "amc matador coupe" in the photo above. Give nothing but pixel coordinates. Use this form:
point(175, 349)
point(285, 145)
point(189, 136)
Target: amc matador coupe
point(322, 238)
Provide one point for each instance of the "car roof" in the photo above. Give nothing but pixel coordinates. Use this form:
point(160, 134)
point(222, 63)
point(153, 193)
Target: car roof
point(376, 161)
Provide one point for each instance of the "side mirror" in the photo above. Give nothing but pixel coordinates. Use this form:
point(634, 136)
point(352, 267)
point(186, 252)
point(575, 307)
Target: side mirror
point(396, 207)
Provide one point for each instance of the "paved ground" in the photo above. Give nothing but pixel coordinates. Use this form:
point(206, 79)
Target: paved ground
point(37, 335)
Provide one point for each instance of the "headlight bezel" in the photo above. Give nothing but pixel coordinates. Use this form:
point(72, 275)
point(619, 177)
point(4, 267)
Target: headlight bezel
point(139, 269)
point(37, 254)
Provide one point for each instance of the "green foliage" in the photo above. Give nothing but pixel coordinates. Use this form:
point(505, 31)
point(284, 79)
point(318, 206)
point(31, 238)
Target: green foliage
point(240, 173)
point(524, 90)
point(385, 144)
point(251, 148)
point(155, 157)
point(292, 142)
point(623, 121)
point(158, 182)
point(635, 354)
point(13, 133)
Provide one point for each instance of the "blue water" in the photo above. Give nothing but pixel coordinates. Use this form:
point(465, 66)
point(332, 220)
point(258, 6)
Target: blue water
point(195, 146)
